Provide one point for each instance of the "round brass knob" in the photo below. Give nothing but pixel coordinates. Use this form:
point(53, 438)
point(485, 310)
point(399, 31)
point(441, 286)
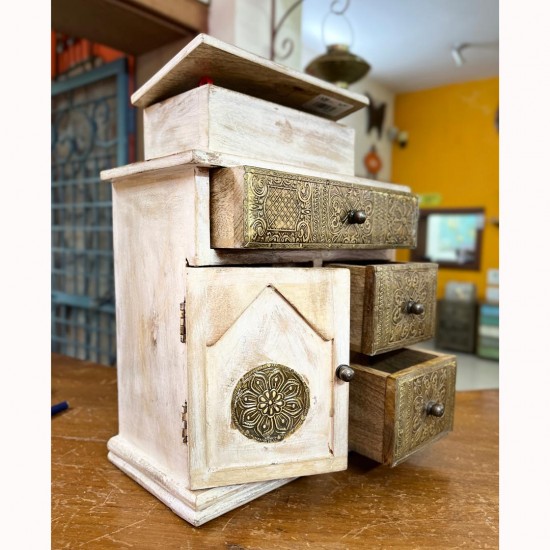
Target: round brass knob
point(436, 409)
point(357, 216)
point(416, 308)
point(345, 373)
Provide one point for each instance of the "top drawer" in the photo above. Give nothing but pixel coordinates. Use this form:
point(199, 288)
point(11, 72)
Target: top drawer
point(259, 208)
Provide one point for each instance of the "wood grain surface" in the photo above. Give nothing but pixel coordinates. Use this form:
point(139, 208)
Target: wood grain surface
point(236, 69)
point(214, 119)
point(444, 497)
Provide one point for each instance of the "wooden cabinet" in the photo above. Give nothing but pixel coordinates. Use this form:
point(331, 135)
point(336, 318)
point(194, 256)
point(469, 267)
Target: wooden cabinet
point(400, 403)
point(233, 333)
point(131, 26)
point(456, 325)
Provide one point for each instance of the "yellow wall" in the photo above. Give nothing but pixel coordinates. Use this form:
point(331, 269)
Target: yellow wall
point(453, 150)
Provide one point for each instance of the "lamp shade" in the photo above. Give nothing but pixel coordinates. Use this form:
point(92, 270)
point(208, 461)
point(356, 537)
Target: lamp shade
point(338, 66)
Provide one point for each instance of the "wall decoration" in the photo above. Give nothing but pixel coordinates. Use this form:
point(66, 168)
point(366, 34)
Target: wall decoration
point(375, 116)
point(373, 162)
point(401, 137)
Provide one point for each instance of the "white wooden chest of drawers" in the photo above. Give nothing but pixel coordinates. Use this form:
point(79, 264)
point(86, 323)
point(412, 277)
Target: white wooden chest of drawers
point(233, 335)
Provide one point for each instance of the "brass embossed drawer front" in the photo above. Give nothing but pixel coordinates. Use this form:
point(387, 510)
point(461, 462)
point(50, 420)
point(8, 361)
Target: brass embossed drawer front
point(392, 305)
point(259, 208)
point(416, 394)
point(400, 402)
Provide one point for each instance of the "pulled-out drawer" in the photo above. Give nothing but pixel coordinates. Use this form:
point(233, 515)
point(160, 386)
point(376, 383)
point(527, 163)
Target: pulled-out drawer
point(257, 208)
point(400, 402)
point(392, 305)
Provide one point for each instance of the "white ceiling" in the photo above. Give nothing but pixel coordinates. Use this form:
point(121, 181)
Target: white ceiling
point(408, 43)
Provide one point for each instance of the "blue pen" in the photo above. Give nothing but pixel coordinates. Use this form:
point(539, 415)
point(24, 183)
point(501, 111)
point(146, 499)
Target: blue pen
point(59, 407)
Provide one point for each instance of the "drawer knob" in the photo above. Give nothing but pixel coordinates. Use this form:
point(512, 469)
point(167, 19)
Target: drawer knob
point(415, 308)
point(345, 373)
point(436, 409)
point(357, 216)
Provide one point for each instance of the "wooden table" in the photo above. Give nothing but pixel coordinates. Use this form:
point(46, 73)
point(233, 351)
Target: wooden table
point(443, 497)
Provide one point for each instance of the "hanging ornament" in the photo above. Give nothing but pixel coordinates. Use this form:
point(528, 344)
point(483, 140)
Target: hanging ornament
point(373, 163)
point(338, 65)
point(375, 116)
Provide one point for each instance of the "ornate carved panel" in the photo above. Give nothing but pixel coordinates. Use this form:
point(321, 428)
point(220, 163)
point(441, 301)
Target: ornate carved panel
point(396, 286)
point(283, 210)
point(269, 403)
point(414, 427)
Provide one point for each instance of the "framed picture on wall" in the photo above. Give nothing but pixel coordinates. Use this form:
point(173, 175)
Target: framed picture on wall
point(450, 237)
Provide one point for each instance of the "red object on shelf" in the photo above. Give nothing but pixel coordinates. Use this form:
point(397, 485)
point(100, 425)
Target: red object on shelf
point(373, 163)
point(205, 80)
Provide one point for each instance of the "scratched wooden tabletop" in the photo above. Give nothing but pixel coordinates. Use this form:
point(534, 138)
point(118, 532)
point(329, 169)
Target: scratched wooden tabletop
point(444, 497)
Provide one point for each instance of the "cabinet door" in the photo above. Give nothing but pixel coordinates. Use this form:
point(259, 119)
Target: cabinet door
point(263, 347)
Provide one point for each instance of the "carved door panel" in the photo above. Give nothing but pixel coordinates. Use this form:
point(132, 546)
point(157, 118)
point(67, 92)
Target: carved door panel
point(264, 401)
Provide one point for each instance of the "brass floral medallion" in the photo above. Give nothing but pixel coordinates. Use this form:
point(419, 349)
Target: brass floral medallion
point(269, 403)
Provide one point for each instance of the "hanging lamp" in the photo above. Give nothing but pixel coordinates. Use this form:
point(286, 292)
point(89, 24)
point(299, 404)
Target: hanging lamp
point(338, 65)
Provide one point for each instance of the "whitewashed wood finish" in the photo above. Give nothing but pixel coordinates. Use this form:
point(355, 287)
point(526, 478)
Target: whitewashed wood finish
point(178, 162)
point(148, 223)
point(195, 507)
point(222, 121)
point(239, 70)
point(150, 261)
point(240, 319)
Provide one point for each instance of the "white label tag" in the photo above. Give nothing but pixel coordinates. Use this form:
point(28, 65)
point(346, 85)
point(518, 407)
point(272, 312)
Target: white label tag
point(327, 106)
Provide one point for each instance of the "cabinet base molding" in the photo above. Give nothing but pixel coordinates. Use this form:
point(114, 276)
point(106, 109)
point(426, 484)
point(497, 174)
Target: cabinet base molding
point(195, 507)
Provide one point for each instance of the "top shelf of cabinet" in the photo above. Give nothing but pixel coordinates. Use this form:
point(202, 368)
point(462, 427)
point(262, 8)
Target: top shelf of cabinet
point(236, 69)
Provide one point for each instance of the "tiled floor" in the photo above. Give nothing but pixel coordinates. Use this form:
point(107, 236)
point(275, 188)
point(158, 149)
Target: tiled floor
point(473, 372)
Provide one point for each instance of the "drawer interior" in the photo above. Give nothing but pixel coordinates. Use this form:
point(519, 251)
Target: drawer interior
point(394, 361)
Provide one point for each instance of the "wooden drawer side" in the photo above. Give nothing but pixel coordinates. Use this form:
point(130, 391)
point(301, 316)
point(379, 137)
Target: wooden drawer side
point(367, 398)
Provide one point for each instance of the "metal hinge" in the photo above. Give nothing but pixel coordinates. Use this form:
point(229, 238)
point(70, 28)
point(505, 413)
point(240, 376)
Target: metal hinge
point(184, 422)
point(182, 322)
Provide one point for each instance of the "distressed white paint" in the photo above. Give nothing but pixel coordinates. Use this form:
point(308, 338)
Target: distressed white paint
point(223, 121)
point(297, 317)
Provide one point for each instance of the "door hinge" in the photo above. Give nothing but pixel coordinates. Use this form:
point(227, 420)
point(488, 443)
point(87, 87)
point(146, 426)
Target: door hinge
point(184, 422)
point(182, 322)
